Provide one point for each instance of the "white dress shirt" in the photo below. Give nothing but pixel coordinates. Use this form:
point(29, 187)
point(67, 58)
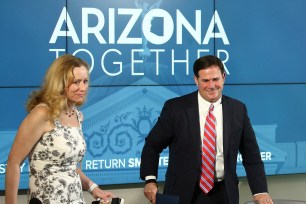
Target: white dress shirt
point(203, 112)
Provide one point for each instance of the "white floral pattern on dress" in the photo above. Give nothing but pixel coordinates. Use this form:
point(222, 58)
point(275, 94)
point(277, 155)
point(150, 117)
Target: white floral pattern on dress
point(53, 163)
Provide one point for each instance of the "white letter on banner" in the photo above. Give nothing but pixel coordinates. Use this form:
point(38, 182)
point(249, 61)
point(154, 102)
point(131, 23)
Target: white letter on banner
point(133, 61)
point(224, 60)
point(111, 26)
point(57, 51)
point(168, 26)
point(123, 39)
point(94, 30)
point(2, 168)
point(182, 21)
point(180, 61)
point(88, 164)
point(200, 51)
point(210, 31)
point(118, 63)
point(21, 167)
point(90, 55)
point(157, 58)
point(71, 31)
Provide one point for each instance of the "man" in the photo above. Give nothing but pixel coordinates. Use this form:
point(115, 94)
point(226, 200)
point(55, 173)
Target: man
point(183, 126)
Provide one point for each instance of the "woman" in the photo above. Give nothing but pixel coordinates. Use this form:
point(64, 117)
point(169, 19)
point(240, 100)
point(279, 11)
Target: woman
point(52, 139)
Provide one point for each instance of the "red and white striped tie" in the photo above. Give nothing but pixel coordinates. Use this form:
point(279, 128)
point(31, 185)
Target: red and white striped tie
point(208, 152)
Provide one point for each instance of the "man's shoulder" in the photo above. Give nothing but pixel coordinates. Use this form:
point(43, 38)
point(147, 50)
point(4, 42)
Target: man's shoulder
point(230, 100)
point(184, 98)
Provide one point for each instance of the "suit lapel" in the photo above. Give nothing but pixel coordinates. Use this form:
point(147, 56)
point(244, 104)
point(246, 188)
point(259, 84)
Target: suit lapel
point(227, 120)
point(194, 119)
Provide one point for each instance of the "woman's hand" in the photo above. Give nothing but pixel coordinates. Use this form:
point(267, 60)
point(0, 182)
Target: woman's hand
point(103, 195)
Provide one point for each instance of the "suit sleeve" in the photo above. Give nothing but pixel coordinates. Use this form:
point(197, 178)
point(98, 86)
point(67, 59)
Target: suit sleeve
point(251, 158)
point(158, 139)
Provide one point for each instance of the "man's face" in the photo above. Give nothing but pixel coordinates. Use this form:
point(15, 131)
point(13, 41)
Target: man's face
point(210, 83)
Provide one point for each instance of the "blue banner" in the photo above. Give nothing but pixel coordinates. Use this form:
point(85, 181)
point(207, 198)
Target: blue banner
point(141, 53)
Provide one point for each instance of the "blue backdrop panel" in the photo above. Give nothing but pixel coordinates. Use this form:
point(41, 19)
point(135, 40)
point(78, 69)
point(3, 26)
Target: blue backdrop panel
point(12, 108)
point(266, 40)
point(26, 27)
point(276, 113)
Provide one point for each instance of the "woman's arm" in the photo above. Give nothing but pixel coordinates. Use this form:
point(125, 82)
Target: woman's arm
point(89, 185)
point(29, 132)
point(96, 192)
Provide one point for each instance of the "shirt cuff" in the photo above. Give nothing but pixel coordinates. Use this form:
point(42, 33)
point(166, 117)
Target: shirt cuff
point(260, 193)
point(150, 177)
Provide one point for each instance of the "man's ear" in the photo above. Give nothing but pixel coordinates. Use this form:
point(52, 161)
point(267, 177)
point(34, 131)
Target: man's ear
point(195, 79)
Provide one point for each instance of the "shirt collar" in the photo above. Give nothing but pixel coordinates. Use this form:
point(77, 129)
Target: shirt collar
point(207, 103)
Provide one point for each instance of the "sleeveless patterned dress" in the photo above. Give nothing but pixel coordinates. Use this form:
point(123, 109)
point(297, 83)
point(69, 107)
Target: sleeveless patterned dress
point(53, 162)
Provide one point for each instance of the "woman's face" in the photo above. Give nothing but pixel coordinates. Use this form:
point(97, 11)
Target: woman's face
point(76, 92)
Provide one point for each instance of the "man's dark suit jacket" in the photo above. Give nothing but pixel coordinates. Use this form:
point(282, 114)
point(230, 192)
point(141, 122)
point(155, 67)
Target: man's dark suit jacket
point(178, 128)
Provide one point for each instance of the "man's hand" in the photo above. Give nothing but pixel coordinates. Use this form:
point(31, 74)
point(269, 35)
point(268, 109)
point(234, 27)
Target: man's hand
point(263, 198)
point(150, 191)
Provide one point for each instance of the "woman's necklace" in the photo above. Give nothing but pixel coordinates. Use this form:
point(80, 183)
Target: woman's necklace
point(71, 113)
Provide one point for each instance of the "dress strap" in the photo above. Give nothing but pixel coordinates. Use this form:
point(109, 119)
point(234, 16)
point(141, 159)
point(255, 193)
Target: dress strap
point(79, 115)
point(56, 122)
point(42, 104)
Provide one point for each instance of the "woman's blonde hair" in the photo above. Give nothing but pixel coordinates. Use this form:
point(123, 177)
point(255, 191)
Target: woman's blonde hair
point(58, 77)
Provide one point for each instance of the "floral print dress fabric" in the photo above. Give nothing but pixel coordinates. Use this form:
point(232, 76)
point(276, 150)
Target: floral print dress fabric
point(53, 163)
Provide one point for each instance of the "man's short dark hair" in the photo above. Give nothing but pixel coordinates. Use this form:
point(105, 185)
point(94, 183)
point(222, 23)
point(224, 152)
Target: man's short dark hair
point(205, 62)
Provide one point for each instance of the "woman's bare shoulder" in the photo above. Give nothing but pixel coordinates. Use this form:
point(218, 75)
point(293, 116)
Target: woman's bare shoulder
point(40, 112)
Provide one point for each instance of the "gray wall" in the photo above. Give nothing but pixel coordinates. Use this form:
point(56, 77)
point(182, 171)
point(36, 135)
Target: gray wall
point(280, 187)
